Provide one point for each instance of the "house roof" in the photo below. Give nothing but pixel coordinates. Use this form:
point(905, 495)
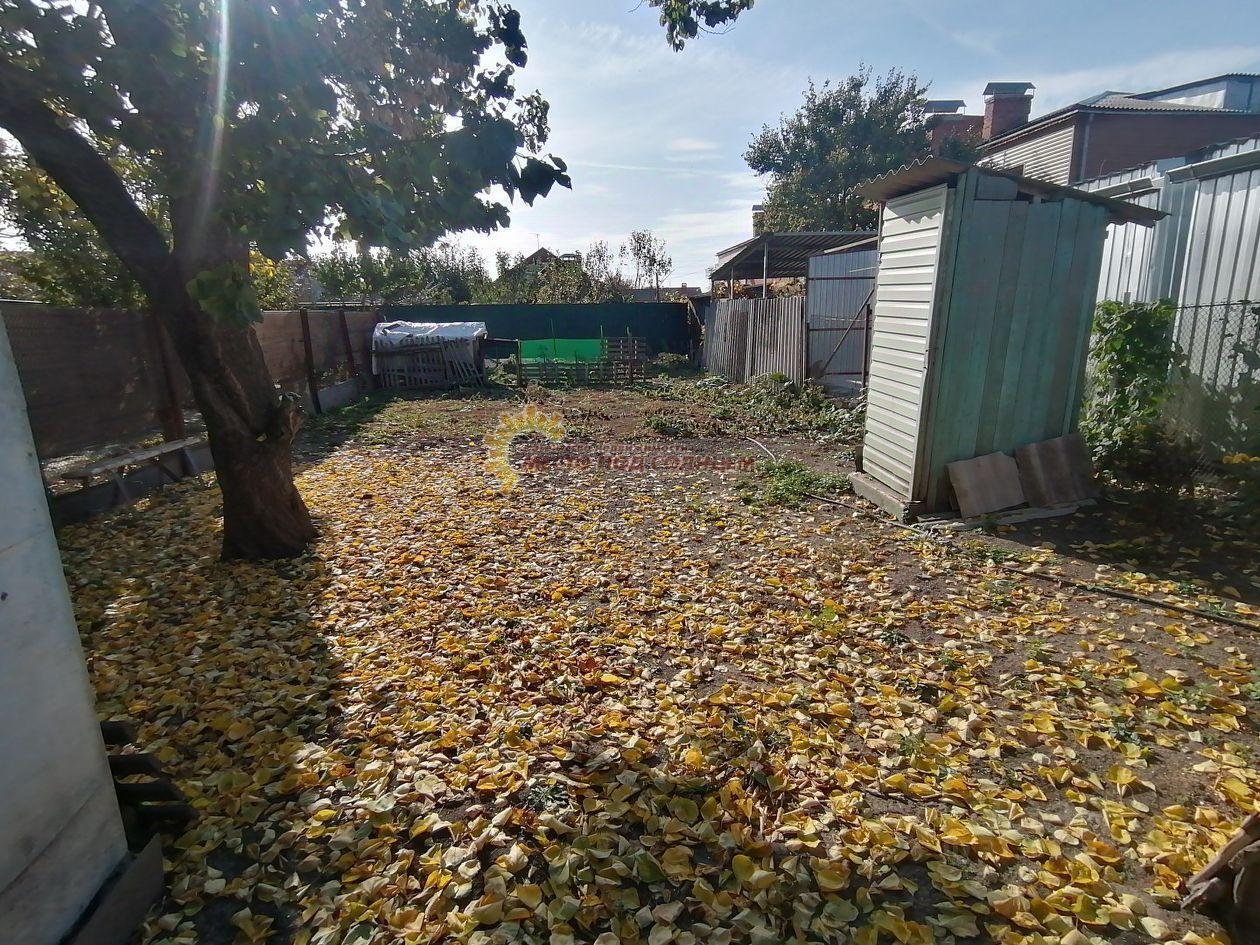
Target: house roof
point(931, 171)
point(1124, 101)
point(1113, 101)
point(1196, 82)
point(784, 255)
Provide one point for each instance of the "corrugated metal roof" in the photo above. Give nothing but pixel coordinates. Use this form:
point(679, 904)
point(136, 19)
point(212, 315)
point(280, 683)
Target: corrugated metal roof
point(786, 254)
point(931, 171)
point(1119, 101)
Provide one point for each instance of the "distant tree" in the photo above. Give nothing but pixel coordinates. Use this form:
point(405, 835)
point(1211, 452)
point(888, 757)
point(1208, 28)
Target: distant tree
point(603, 268)
point(560, 281)
point(433, 275)
point(841, 136)
point(263, 123)
point(594, 277)
point(652, 264)
point(683, 19)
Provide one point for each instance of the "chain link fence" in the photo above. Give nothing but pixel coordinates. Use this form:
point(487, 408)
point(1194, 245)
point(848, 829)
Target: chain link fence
point(1216, 396)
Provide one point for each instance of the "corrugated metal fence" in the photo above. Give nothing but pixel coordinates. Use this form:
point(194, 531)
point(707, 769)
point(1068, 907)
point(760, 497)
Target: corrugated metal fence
point(838, 295)
point(94, 377)
point(746, 338)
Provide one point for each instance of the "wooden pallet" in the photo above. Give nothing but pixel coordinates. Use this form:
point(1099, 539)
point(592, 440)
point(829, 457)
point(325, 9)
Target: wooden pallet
point(428, 363)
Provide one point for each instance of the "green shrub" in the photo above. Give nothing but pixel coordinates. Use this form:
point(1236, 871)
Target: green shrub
point(1134, 361)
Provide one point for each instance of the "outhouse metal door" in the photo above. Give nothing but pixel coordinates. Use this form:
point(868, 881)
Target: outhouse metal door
point(909, 255)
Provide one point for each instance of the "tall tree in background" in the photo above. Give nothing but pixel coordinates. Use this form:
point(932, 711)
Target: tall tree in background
point(652, 264)
point(261, 122)
point(841, 136)
point(437, 275)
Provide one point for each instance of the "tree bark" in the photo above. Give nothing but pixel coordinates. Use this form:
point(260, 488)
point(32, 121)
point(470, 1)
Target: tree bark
point(250, 426)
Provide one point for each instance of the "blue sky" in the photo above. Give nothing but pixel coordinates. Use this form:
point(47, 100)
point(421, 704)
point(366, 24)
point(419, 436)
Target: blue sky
point(655, 139)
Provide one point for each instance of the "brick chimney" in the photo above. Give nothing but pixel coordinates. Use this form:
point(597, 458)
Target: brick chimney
point(1006, 106)
point(759, 218)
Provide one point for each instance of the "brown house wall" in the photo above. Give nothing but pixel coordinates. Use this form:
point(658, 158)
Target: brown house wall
point(1109, 143)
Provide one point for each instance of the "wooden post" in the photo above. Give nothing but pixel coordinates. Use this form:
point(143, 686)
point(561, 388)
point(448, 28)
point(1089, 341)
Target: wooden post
point(311, 381)
point(171, 413)
point(345, 340)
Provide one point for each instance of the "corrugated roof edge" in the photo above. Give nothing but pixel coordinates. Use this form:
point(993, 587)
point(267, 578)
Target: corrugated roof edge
point(927, 172)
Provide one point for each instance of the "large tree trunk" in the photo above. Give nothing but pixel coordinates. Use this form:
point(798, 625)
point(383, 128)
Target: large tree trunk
point(251, 431)
point(250, 425)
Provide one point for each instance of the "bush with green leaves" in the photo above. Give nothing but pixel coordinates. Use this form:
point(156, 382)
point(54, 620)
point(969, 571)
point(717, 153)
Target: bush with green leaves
point(1134, 364)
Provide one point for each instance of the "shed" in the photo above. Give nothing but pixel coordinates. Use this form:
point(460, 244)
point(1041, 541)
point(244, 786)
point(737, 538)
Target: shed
point(983, 304)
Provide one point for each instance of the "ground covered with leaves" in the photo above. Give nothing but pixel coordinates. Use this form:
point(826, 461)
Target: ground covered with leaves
point(623, 704)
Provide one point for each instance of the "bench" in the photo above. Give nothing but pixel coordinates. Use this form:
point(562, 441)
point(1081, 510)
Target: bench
point(113, 466)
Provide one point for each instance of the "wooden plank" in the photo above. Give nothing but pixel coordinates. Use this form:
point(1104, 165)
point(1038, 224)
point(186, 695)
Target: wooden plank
point(113, 463)
point(351, 368)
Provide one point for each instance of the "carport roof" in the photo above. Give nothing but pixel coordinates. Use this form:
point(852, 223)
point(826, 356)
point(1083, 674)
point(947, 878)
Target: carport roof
point(786, 255)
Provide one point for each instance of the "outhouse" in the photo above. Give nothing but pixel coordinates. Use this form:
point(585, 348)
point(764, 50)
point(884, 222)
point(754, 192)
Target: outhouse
point(984, 300)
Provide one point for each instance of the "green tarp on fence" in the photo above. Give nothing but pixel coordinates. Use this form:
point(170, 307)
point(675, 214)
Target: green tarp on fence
point(662, 324)
point(587, 350)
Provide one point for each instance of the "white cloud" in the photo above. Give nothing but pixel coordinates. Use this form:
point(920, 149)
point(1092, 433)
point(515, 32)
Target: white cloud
point(685, 145)
point(1056, 89)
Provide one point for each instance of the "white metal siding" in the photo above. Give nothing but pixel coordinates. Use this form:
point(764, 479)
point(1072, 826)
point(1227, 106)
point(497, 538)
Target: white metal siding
point(1223, 252)
point(1047, 157)
point(909, 250)
point(1127, 257)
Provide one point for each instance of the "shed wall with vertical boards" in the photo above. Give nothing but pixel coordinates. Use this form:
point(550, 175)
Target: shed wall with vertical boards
point(984, 302)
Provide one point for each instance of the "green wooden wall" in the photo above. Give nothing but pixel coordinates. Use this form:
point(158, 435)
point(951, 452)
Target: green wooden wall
point(1011, 337)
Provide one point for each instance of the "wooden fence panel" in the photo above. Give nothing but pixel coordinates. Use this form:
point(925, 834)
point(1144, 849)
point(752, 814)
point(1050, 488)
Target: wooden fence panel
point(94, 377)
point(91, 376)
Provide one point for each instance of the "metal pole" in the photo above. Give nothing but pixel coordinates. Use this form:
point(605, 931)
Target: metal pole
point(765, 269)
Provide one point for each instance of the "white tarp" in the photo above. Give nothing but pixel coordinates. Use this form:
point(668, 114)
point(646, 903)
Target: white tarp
point(391, 336)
